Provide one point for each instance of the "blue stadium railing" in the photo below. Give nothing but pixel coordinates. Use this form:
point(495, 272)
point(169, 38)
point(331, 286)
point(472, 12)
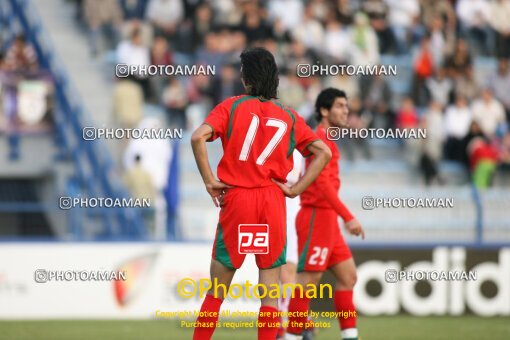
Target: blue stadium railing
point(92, 164)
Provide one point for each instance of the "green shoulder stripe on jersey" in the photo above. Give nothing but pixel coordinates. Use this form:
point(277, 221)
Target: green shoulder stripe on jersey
point(292, 143)
point(221, 251)
point(302, 258)
point(235, 104)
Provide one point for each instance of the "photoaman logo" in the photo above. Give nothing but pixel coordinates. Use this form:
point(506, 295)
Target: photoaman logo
point(253, 239)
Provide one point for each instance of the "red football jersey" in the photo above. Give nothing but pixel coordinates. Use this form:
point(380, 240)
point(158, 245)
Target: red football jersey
point(258, 138)
point(323, 192)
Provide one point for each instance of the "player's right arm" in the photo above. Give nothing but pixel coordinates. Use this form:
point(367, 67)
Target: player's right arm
point(214, 187)
point(214, 127)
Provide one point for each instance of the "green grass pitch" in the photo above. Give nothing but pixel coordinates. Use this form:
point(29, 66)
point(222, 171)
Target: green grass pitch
point(384, 328)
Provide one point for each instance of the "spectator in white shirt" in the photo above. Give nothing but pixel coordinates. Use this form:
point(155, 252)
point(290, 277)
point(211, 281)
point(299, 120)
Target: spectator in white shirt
point(432, 146)
point(337, 41)
point(310, 32)
point(500, 84)
point(472, 13)
point(165, 15)
point(289, 12)
point(402, 15)
point(474, 16)
point(442, 40)
point(439, 87)
point(458, 117)
point(134, 53)
point(500, 12)
point(488, 112)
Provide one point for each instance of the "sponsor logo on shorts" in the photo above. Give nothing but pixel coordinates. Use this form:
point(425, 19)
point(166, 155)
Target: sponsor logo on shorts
point(253, 239)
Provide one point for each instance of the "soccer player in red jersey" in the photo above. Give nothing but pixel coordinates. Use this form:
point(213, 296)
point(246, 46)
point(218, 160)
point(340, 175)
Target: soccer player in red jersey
point(258, 136)
point(320, 243)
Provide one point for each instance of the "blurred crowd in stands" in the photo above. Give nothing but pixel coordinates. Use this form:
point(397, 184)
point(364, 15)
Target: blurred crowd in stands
point(25, 89)
point(440, 42)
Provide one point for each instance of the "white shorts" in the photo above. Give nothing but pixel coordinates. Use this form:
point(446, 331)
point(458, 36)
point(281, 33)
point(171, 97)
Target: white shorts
point(292, 210)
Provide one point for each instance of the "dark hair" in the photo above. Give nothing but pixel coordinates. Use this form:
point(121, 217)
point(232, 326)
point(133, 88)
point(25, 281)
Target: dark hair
point(326, 98)
point(259, 72)
point(138, 158)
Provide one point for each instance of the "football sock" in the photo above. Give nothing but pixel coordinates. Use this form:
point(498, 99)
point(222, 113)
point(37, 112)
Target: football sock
point(211, 304)
point(347, 319)
point(268, 324)
point(298, 304)
point(283, 307)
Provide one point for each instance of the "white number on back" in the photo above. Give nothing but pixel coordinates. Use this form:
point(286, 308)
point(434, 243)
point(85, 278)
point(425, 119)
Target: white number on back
point(250, 137)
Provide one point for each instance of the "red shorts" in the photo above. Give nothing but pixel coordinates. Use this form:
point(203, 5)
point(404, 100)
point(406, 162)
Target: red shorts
point(252, 221)
point(320, 243)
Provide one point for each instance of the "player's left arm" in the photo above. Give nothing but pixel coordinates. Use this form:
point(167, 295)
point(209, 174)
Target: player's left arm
point(351, 223)
point(322, 155)
point(308, 144)
point(214, 187)
point(355, 228)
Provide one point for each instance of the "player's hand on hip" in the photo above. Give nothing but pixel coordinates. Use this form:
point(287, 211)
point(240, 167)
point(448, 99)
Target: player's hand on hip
point(217, 191)
point(287, 191)
point(355, 228)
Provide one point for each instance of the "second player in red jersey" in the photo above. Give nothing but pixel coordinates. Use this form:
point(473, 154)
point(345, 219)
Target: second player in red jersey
point(321, 246)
